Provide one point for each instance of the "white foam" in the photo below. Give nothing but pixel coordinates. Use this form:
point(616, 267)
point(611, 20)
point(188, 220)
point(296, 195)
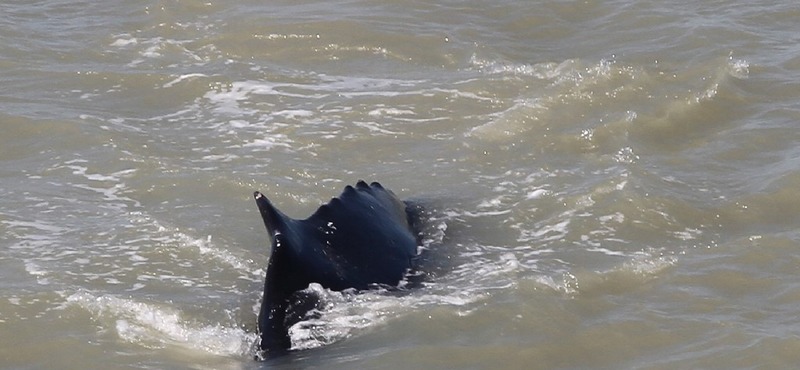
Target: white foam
point(124, 40)
point(38, 225)
point(495, 202)
point(452, 214)
point(183, 77)
point(157, 326)
point(607, 252)
point(279, 36)
point(538, 193)
point(649, 262)
point(688, 234)
point(626, 155)
point(738, 68)
point(152, 51)
point(617, 217)
point(375, 128)
point(361, 84)
point(346, 313)
point(227, 98)
point(541, 70)
point(389, 112)
point(221, 157)
point(293, 113)
point(205, 247)
point(547, 232)
point(269, 142)
point(34, 269)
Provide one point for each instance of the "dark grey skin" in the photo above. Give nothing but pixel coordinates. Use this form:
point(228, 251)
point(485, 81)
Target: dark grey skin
point(365, 237)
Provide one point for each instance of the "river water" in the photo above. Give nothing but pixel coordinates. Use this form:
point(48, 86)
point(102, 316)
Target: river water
point(609, 184)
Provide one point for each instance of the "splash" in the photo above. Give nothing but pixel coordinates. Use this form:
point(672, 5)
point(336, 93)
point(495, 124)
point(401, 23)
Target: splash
point(738, 68)
point(348, 312)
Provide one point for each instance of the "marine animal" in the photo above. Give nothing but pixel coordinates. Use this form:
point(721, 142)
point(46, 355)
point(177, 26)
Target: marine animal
point(364, 238)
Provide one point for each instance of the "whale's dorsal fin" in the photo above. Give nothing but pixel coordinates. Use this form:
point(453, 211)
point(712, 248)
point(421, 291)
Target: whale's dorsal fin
point(274, 220)
point(364, 237)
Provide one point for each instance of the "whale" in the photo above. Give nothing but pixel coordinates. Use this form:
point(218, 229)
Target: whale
point(364, 238)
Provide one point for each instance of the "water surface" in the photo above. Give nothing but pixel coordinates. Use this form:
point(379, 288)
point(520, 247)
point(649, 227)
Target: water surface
point(611, 184)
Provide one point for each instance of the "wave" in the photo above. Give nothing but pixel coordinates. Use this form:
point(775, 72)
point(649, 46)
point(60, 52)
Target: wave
point(553, 86)
point(158, 325)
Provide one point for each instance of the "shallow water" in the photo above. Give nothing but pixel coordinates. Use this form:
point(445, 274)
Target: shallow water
point(610, 185)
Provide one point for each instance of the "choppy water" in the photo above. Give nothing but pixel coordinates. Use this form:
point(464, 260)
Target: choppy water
point(612, 184)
